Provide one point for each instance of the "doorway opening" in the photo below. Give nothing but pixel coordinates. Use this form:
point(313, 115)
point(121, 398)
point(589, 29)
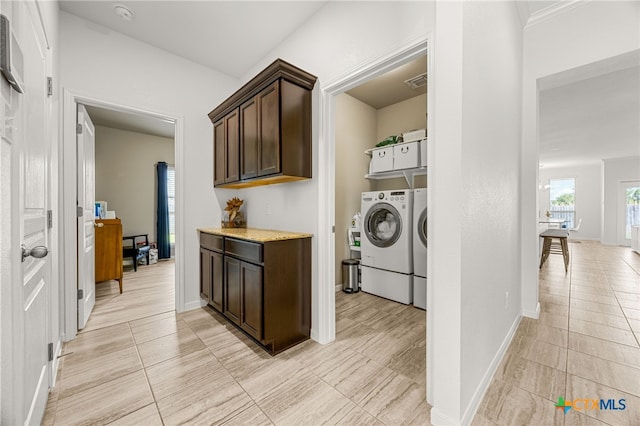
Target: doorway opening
point(331, 244)
point(127, 139)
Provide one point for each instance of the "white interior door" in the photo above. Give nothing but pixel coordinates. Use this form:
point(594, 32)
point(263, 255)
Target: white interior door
point(628, 210)
point(25, 167)
point(86, 140)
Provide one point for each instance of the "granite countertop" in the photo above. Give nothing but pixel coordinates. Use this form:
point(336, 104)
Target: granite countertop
point(255, 234)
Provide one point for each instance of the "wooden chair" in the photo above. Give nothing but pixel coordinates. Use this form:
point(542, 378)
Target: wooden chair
point(137, 250)
point(550, 246)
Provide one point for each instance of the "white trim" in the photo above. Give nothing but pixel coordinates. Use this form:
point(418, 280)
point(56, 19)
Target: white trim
point(195, 304)
point(68, 199)
point(438, 418)
point(552, 11)
point(488, 375)
point(325, 331)
point(338, 288)
point(532, 314)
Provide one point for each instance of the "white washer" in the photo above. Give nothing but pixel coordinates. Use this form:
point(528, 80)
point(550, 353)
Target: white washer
point(386, 244)
point(420, 248)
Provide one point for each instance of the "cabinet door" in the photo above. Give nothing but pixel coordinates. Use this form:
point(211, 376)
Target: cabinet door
point(219, 153)
point(249, 139)
point(232, 297)
point(217, 280)
point(269, 130)
point(251, 281)
point(232, 129)
point(205, 274)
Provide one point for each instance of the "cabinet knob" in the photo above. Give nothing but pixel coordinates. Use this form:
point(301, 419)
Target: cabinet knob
point(98, 225)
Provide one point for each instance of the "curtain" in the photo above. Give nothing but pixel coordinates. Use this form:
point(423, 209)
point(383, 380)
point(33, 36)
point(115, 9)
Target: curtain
point(162, 230)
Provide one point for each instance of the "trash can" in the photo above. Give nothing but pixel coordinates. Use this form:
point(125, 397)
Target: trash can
point(350, 276)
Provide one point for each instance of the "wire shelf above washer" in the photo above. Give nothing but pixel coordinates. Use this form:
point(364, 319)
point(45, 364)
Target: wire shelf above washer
point(408, 174)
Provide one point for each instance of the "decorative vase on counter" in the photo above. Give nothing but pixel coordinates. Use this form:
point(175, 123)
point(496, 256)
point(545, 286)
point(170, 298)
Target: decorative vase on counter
point(233, 216)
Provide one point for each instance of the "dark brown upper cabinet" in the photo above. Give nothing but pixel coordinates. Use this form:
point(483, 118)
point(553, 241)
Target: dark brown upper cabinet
point(273, 115)
point(226, 149)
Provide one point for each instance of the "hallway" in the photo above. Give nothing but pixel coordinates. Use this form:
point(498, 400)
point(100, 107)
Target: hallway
point(584, 345)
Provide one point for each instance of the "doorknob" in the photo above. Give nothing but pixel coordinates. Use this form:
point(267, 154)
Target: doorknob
point(38, 252)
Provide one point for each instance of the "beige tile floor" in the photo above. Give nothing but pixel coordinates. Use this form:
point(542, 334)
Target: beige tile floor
point(151, 366)
point(194, 368)
point(584, 345)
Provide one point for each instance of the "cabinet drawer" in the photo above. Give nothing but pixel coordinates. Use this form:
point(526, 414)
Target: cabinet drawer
point(243, 249)
point(211, 242)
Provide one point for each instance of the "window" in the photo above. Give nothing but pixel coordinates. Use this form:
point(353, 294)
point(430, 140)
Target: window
point(562, 200)
point(633, 209)
point(171, 195)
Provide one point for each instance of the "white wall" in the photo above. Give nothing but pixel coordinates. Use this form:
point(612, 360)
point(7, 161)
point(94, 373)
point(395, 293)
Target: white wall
point(99, 63)
point(490, 222)
point(615, 171)
point(402, 117)
point(126, 176)
point(590, 32)
point(355, 129)
point(588, 197)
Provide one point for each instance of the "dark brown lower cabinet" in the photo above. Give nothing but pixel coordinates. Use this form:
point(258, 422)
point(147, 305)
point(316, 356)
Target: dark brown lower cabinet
point(232, 295)
point(251, 289)
point(211, 269)
point(263, 288)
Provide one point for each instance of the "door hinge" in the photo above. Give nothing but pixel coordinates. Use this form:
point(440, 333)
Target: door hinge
point(333, 229)
point(49, 219)
point(49, 86)
point(79, 211)
point(80, 294)
point(50, 350)
point(79, 128)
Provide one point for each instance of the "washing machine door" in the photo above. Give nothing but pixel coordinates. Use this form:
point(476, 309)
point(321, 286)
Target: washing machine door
point(422, 227)
point(382, 225)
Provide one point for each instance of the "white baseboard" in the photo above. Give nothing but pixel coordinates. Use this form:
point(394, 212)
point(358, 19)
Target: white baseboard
point(532, 314)
point(486, 380)
point(338, 288)
point(55, 365)
point(194, 304)
point(437, 418)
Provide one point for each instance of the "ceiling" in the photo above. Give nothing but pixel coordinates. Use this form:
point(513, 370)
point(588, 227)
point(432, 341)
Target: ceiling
point(205, 32)
point(591, 119)
point(389, 88)
point(138, 123)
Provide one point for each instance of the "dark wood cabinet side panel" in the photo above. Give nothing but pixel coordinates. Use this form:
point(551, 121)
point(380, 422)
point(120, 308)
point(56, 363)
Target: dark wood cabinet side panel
point(219, 153)
point(205, 274)
point(295, 130)
point(232, 297)
point(251, 279)
point(249, 139)
point(269, 130)
point(232, 124)
point(287, 292)
point(217, 280)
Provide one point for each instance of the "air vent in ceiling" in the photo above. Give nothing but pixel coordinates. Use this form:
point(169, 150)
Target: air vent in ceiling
point(417, 81)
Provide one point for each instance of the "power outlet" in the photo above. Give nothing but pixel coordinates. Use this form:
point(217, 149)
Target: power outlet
point(506, 300)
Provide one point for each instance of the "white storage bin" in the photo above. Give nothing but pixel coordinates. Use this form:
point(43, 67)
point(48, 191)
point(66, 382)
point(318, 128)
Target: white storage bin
point(381, 159)
point(423, 153)
point(406, 155)
point(414, 135)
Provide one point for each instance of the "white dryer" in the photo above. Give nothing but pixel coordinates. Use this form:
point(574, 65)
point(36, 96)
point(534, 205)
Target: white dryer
point(386, 244)
point(420, 248)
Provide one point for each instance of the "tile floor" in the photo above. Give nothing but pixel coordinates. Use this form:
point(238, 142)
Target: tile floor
point(195, 368)
point(584, 345)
